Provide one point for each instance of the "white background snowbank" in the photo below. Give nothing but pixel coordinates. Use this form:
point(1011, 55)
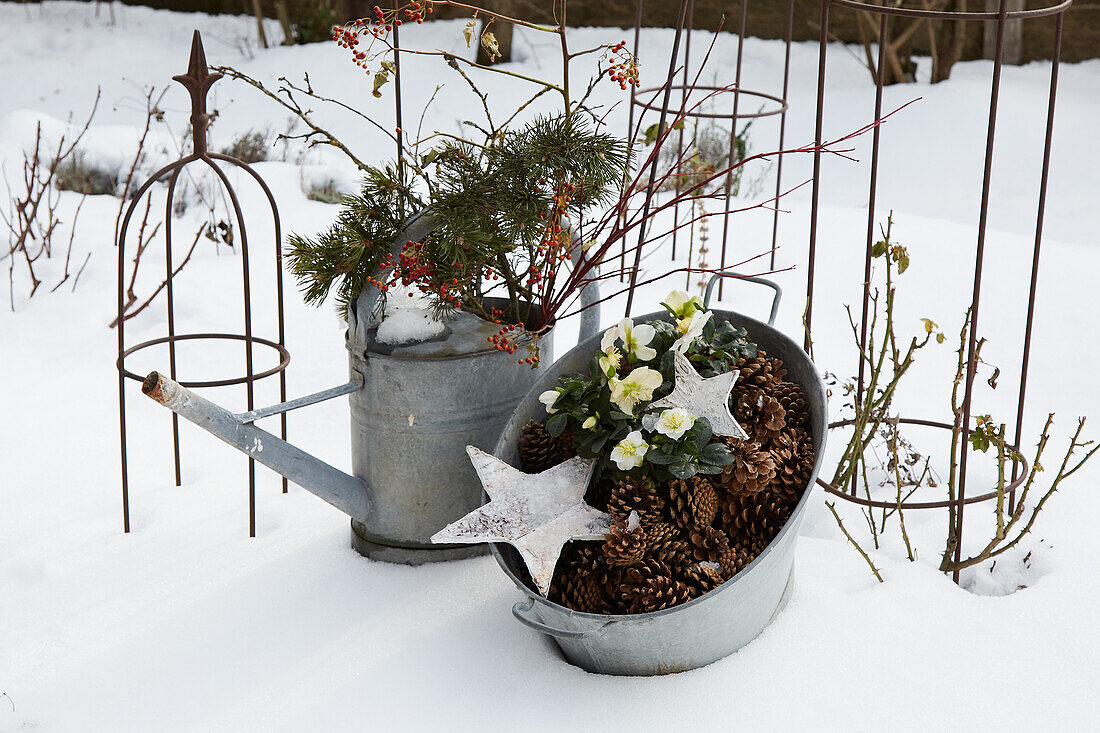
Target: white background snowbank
point(186, 624)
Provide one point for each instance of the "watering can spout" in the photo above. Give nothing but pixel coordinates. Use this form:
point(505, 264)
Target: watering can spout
point(347, 493)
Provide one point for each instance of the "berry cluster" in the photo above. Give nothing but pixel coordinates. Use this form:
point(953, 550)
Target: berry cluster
point(624, 67)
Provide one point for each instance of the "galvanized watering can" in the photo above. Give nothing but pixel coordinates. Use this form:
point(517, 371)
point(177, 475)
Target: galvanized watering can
point(410, 473)
point(709, 627)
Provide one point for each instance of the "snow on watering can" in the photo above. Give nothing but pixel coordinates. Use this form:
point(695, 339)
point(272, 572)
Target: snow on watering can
point(396, 497)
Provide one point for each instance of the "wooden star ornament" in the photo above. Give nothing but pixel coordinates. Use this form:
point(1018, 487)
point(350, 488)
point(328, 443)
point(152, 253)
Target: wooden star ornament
point(702, 397)
point(535, 513)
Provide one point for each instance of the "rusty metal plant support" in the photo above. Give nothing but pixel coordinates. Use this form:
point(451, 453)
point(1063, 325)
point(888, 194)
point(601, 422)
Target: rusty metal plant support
point(198, 81)
point(1001, 16)
point(657, 99)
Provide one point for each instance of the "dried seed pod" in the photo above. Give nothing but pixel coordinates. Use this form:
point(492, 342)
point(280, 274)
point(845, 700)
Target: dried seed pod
point(760, 371)
point(795, 407)
point(758, 413)
point(636, 495)
point(625, 542)
point(708, 544)
point(755, 518)
point(752, 469)
point(651, 587)
point(703, 576)
point(793, 453)
point(538, 450)
point(693, 502)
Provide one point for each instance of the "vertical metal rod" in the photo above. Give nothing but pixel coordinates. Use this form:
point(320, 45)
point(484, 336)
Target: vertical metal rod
point(733, 138)
point(782, 129)
point(872, 197)
point(1039, 219)
point(815, 196)
point(397, 93)
point(979, 260)
point(250, 372)
point(172, 309)
point(653, 165)
point(680, 135)
point(630, 133)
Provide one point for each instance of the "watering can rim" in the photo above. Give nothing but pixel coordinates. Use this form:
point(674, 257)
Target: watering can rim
point(611, 619)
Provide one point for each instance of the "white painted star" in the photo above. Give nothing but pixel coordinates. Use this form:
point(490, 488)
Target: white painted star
point(701, 397)
point(535, 513)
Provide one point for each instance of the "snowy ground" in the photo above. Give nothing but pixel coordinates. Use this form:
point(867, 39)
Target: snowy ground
point(187, 624)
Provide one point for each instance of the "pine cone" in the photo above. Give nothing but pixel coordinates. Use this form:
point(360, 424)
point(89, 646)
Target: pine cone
point(538, 450)
point(758, 413)
point(760, 371)
point(661, 535)
point(709, 543)
point(753, 468)
point(622, 546)
point(733, 560)
point(795, 407)
point(636, 495)
point(577, 577)
point(651, 587)
point(676, 554)
point(793, 453)
point(694, 502)
point(703, 577)
point(755, 518)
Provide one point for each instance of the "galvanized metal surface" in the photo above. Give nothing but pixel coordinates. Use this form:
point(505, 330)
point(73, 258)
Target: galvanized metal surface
point(708, 628)
point(344, 492)
point(414, 409)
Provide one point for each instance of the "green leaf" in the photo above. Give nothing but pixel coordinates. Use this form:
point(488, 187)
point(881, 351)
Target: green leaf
point(556, 424)
point(683, 470)
point(662, 459)
point(878, 249)
point(716, 454)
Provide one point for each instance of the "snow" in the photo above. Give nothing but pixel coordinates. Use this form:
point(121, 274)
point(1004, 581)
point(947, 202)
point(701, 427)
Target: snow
point(187, 624)
point(408, 319)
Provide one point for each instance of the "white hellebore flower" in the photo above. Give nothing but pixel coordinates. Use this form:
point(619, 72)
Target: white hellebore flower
point(589, 423)
point(690, 328)
point(548, 398)
point(630, 451)
point(680, 303)
point(609, 362)
point(637, 387)
point(675, 422)
point(635, 339)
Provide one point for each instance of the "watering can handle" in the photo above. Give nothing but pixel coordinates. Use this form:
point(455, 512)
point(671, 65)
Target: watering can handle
point(752, 279)
point(521, 608)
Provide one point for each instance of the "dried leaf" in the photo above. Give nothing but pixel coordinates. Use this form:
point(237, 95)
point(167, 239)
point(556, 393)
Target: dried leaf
point(468, 31)
point(489, 43)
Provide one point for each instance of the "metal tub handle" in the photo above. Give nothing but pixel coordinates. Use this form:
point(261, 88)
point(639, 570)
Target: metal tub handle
point(749, 278)
point(521, 608)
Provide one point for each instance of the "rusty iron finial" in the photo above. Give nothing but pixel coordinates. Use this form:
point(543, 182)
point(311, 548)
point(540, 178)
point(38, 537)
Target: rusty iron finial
point(198, 81)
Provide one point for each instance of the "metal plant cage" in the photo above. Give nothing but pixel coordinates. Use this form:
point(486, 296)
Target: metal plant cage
point(679, 82)
point(886, 13)
point(198, 81)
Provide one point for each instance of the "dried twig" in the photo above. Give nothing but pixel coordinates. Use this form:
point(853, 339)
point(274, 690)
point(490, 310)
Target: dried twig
point(866, 557)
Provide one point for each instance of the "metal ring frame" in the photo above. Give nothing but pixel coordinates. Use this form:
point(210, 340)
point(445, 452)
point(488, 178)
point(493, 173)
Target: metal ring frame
point(197, 81)
point(685, 19)
point(284, 357)
point(1020, 469)
point(1001, 17)
point(714, 115)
